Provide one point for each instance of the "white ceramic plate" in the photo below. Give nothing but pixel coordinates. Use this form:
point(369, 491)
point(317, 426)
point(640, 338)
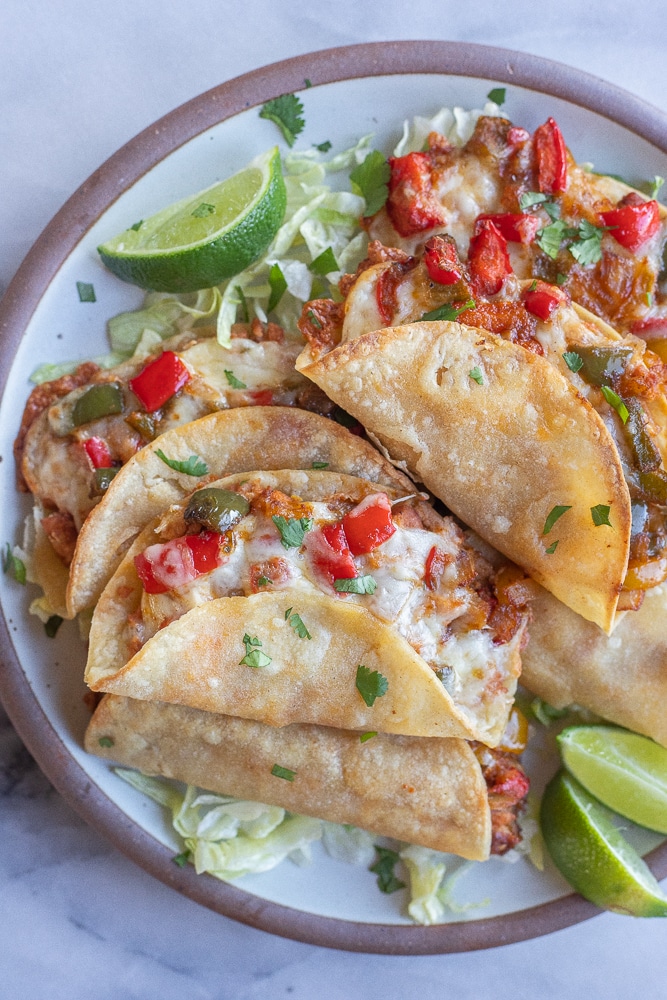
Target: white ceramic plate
point(355, 90)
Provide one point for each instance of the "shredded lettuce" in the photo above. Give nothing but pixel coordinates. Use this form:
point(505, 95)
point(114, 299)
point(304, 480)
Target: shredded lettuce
point(456, 124)
point(426, 869)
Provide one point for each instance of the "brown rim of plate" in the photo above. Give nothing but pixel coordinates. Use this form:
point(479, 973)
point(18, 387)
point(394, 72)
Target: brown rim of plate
point(55, 244)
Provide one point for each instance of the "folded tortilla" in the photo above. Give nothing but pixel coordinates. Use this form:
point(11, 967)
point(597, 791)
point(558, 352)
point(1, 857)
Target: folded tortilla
point(429, 792)
point(237, 440)
point(195, 659)
point(502, 449)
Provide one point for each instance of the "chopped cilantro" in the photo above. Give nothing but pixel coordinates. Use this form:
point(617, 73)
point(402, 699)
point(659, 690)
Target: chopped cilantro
point(384, 869)
point(587, 248)
point(86, 292)
point(365, 737)
point(552, 548)
point(325, 263)
point(194, 466)
point(254, 657)
point(615, 400)
point(497, 95)
point(530, 198)
point(320, 465)
point(449, 312)
point(553, 516)
point(573, 360)
point(235, 382)
point(371, 684)
point(12, 564)
point(533, 285)
point(52, 625)
point(201, 211)
point(292, 530)
point(283, 772)
point(263, 581)
point(278, 286)
point(307, 83)
point(137, 226)
point(322, 147)
point(370, 179)
point(550, 238)
point(106, 741)
point(243, 311)
point(649, 299)
point(561, 278)
point(287, 113)
point(356, 585)
point(297, 624)
point(476, 375)
point(600, 515)
point(182, 859)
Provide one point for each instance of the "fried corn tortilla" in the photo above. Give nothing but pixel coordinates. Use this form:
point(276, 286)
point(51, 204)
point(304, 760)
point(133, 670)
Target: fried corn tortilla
point(184, 642)
point(424, 791)
point(503, 438)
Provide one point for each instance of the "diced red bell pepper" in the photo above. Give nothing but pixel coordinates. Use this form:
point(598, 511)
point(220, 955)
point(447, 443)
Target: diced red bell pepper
point(515, 226)
point(633, 225)
point(330, 553)
point(488, 259)
point(543, 300)
point(167, 565)
point(412, 205)
point(159, 380)
point(436, 563)
point(98, 452)
point(369, 524)
point(442, 261)
point(650, 328)
point(550, 158)
point(261, 397)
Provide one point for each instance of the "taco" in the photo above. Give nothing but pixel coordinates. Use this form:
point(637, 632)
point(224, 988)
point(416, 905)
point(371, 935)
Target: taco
point(238, 440)
point(313, 597)
point(525, 410)
point(434, 792)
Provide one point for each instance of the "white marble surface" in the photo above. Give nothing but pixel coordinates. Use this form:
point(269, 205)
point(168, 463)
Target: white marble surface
point(79, 920)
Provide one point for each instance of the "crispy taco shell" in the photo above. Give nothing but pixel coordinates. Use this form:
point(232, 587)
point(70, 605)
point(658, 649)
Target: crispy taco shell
point(238, 440)
point(424, 791)
point(501, 454)
point(195, 660)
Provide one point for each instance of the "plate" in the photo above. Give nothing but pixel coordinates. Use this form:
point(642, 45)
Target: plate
point(346, 92)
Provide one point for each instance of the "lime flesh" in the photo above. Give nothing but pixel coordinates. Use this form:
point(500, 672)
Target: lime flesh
point(593, 855)
point(625, 771)
point(206, 238)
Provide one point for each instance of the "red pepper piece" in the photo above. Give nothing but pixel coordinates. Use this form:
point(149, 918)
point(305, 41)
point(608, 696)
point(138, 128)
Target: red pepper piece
point(98, 452)
point(330, 553)
point(515, 226)
point(436, 563)
point(488, 259)
point(412, 205)
point(543, 300)
point(261, 397)
point(171, 564)
point(442, 261)
point(650, 328)
point(369, 524)
point(633, 224)
point(159, 380)
point(550, 158)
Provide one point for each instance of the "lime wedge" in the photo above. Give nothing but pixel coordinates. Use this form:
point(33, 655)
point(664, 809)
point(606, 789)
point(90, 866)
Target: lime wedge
point(625, 771)
point(204, 239)
point(593, 855)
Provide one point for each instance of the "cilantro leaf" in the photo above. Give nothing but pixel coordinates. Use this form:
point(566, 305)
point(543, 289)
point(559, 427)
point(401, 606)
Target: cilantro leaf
point(322, 147)
point(371, 684)
point(356, 585)
point(182, 859)
point(320, 465)
point(476, 375)
point(449, 312)
point(600, 515)
point(573, 360)
point(384, 869)
point(201, 211)
point(550, 238)
point(52, 625)
point(553, 516)
point(552, 548)
point(264, 581)
point(292, 530)
point(137, 226)
point(106, 741)
point(530, 198)
point(283, 772)
point(370, 179)
point(287, 113)
point(86, 292)
point(615, 400)
point(297, 624)
point(235, 382)
point(194, 466)
point(254, 657)
point(561, 279)
point(587, 249)
point(365, 737)
point(325, 263)
point(278, 286)
point(497, 95)
point(12, 564)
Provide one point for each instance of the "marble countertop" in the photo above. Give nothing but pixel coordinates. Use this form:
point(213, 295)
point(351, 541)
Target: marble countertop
point(77, 80)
